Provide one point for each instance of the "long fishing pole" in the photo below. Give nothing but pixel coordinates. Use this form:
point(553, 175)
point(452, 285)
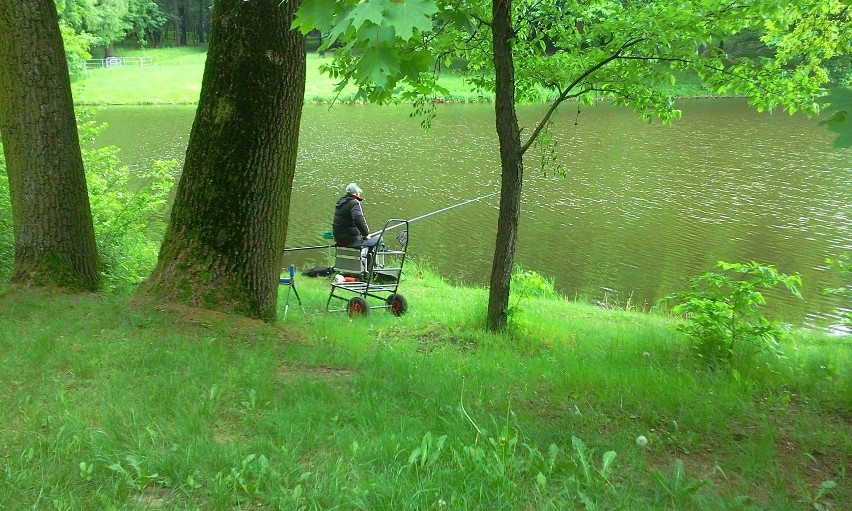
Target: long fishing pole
point(421, 217)
point(314, 247)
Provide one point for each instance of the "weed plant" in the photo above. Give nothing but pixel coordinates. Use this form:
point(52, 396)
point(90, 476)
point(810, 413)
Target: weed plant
point(722, 311)
point(111, 404)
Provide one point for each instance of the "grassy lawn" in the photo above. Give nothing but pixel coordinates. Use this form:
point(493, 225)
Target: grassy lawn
point(175, 78)
point(112, 404)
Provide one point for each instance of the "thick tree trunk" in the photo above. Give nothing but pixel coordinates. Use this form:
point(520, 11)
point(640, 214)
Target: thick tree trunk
point(511, 164)
point(54, 237)
point(225, 239)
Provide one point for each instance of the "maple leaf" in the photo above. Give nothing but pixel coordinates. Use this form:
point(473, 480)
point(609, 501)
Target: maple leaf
point(318, 14)
point(377, 64)
point(409, 17)
point(372, 11)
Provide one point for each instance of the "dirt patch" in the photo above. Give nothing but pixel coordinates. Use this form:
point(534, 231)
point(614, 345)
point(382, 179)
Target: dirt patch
point(318, 372)
point(154, 497)
point(192, 320)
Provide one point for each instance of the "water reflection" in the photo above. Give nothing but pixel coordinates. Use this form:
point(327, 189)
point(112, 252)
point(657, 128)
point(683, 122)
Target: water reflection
point(642, 208)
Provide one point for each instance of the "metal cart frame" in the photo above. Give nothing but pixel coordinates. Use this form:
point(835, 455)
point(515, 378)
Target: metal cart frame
point(373, 272)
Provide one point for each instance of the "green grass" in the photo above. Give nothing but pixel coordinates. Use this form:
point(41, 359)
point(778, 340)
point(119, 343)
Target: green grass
point(111, 404)
point(175, 78)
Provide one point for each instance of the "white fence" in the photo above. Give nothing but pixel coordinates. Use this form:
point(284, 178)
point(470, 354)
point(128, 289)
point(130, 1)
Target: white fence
point(118, 62)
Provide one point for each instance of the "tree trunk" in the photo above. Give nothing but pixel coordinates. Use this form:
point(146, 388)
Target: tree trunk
point(199, 35)
point(511, 165)
point(177, 22)
point(224, 244)
point(54, 237)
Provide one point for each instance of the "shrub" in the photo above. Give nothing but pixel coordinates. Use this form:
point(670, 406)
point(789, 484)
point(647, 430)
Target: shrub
point(528, 284)
point(722, 309)
point(127, 208)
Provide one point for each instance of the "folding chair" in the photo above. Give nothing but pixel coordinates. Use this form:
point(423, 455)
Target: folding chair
point(290, 282)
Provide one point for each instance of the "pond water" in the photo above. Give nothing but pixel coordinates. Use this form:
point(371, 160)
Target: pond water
point(641, 208)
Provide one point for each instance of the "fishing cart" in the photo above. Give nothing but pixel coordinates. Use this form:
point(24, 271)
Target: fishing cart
point(371, 273)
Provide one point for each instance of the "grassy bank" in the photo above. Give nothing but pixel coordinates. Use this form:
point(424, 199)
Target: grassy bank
point(109, 404)
point(175, 78)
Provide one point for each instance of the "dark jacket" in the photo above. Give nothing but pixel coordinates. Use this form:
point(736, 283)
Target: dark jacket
point(348, 220)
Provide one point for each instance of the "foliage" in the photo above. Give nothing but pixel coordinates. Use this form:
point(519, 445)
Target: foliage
point(376, 28)
point(127, 208)
point(392, 49)
point(528, 284)
point(722, 310)
point(144, 16)
point(76, 48)
point(105, 22)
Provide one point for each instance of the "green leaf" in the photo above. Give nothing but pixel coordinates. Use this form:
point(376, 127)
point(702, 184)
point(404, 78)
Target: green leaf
point(370, 11)
point(377, 65)
point(606, 462)
point(313, 14)
point(408, 17)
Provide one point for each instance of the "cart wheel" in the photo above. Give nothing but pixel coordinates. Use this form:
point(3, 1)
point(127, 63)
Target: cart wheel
point(358, 307)
point(397, 304)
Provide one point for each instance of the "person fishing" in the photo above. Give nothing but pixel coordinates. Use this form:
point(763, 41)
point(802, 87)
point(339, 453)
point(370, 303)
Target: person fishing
point(349, 225)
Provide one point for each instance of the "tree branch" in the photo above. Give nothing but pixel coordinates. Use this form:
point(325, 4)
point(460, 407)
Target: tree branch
point(566, 93)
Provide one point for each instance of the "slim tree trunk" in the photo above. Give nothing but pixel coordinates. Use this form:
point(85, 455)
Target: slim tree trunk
point(199, 34)
point(54, 236)
point(511, 164)
point(177, 22)
point(224, 243)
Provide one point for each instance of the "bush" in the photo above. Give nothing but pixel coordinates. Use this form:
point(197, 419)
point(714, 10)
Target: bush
point(722, 310)
point(126, 210)
point(528, 284)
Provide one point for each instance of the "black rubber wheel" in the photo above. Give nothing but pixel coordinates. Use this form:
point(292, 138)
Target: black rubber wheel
point(397, 304)
point(358, 307)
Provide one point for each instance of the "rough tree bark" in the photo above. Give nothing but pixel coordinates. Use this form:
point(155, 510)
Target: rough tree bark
point(511, 165)
point(54, 236)
point(223, 246)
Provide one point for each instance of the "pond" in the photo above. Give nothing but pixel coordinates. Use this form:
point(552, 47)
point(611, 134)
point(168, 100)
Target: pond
point(641, 208)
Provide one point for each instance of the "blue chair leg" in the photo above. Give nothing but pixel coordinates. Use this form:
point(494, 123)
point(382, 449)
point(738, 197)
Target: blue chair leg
point(290, 282)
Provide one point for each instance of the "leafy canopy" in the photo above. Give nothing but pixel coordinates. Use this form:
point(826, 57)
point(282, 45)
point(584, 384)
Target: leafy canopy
point(628, 51)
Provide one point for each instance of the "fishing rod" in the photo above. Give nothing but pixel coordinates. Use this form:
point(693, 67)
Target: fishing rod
point(421, 217)
point(314, 247)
